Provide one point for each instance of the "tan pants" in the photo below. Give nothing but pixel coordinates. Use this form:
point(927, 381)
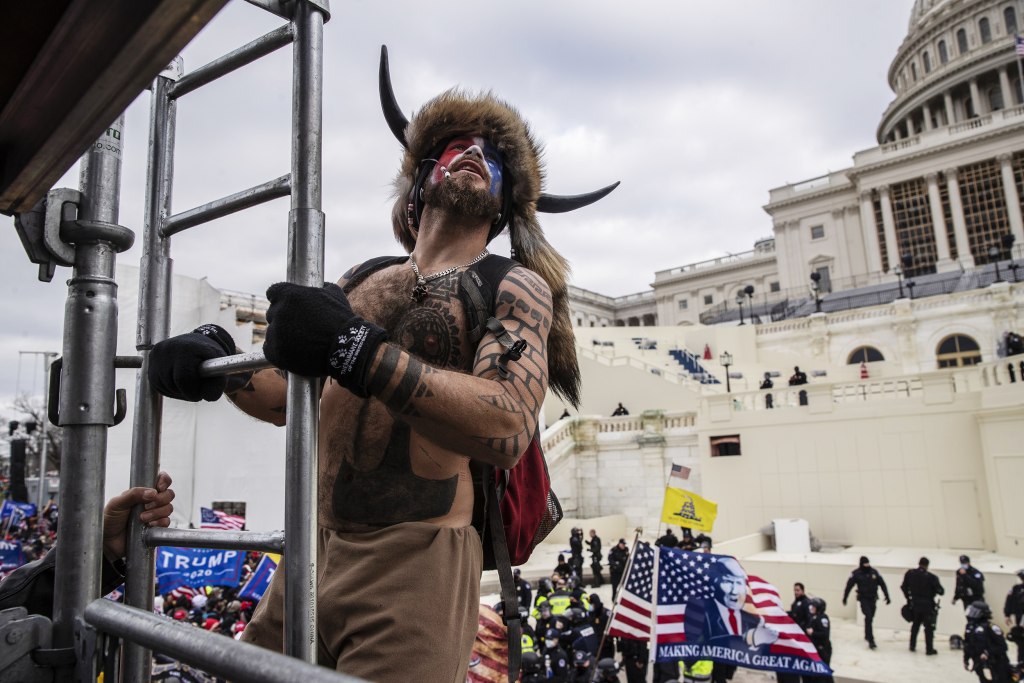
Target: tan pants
point(399, 604)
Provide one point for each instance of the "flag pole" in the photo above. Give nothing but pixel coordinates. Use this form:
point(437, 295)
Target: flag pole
point(618, 591)
point(652, 645)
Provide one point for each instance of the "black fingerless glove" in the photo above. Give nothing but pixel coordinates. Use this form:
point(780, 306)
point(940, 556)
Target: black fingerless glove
point(313, 332)
point(174, 364)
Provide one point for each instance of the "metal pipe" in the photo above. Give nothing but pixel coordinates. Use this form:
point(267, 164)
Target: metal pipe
point(228, 365)
point(218, 208)
point(86, 401)
point(211, 652)
point(305, 266)
point(267, 542)
point(236, 59)
point(153, 323)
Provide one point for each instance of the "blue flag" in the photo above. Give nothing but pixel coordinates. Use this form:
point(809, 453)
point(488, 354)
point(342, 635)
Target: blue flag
point(197, 567)
point(259, 582)
point(11, 556)
point(19, 510)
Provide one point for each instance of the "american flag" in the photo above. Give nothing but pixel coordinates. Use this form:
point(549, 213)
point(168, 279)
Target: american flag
point(680, 471)
point(683, 576)
point(1018, 43)
point(218, 519)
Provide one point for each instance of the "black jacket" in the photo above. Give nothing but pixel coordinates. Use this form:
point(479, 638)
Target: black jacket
point(970, 586)
point(617, 558)
point(984, 638)
point(820, 632)
point(868, 581)
point(920, 586)
point(1014, 605)
point(799, 612)
point(31, 585)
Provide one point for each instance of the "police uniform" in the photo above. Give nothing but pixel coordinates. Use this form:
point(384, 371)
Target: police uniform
point(524, 590)
point(985, 648)
point(799, 613)
point(634, 659)
point(1014, 608)
point(617, 558)
point(921, 587)
point(820, 634)
point(970, 583)
point(867, 580)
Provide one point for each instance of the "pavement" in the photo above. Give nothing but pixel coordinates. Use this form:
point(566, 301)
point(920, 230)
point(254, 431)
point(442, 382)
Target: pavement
point(852, 660)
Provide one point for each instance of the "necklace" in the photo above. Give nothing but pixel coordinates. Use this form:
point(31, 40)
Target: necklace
point(419, 292)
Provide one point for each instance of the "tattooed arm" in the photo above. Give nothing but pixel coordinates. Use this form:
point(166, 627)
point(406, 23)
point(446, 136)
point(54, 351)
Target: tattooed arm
point(480, 415)
point(262, 394)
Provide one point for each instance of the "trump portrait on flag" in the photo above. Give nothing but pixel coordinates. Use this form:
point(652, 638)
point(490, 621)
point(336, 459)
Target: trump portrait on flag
point(721, 619)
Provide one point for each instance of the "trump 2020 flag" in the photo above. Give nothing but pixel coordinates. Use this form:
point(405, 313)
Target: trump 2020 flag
point(197, 567)
point(704, 606)
point(259, 582)
point(683, 508)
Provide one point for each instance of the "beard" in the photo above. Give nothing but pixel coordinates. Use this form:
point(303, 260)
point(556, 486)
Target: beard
point(459, 196)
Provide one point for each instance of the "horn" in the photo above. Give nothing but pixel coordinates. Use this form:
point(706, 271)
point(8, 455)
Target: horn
point(553, 203)
point(392, 112)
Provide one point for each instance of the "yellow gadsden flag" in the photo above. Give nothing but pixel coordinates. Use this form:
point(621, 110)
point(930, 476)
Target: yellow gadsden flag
point(683, 508)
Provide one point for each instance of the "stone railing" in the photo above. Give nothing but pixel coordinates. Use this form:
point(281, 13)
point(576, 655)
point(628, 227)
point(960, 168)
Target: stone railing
point(673, 372)
point(563, 436)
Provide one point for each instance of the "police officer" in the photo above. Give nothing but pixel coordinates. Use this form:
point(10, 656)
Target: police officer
point(921, 587)
point(617, 558)
point(819, 631)
point(533, 668)
point(542, 615)
point(594, 546)
point(576, 551)
point(1013, 609)
point(583, 665)
point(985, 646)
point(529, 637)
point(607, 670)
point(599, 617)
point(970, 583)
point(544, 589)
point(868, 581)
point(634, 659)
point(798, 611)
point(523, 588)
point(668, 539)
point(556, 661)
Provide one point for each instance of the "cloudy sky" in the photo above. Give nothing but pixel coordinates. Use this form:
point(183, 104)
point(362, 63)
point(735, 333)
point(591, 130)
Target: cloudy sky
point(699, 108)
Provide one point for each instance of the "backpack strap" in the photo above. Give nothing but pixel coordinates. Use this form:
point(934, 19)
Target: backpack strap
point(509, 596)
point(478, 289)
point(368, 268)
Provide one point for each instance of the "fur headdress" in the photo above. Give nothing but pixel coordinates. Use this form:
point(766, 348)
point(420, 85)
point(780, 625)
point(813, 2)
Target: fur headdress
point(453, 113)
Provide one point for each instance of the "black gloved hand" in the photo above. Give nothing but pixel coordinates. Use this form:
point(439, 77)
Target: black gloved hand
point(174, 364)
point(313, 332)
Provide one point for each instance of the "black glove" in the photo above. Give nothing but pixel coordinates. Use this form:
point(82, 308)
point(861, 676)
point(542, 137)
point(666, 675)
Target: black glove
point(174, 364)
point(313, 332)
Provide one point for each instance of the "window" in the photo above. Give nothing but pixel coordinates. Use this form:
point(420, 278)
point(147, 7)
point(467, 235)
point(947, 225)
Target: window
point(957, 350)
point(985, 30)
point(825, 281)
point(231, 507)
point(817, 232)
point(943, 54)
point(927, 61)
point(995, 99)
point(1010, 19)
point(684, 304)
point(961, 41)
point(725, 445)
point(774, 287)
point(864, 354)
point(708, 299)
point(913, 72)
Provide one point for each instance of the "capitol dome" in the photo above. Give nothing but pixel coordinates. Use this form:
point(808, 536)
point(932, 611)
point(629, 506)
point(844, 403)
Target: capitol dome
point(956, 65)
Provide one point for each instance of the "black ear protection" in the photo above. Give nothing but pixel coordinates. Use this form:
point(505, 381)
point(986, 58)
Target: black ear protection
point(427, 165)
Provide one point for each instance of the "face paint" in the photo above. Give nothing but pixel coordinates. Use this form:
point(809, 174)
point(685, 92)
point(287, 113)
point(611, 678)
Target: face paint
point(457, 146)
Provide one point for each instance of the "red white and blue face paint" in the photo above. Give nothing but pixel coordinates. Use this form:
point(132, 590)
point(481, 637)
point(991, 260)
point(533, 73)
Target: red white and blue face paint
point(456, 147)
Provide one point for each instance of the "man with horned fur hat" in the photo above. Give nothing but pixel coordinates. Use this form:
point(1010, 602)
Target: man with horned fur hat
point(412, 396)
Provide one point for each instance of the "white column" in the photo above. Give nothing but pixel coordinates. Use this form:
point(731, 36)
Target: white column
point(1012, 197)
point(892, 247)
point(927, 111)
point(910, 127)
point(870, 233)
point(979, 106)
point(1004, 87)
point(956, 206)
point(945, 262)
point(947, 100)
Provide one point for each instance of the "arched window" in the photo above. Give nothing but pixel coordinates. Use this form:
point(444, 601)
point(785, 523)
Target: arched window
point(961, 41)
point(927, 60)
point(995, 99)
point(985, 30)
point(943, 54)
point(913, 72)
point(864, 354)
point(957, 350)
point(1010, 19)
